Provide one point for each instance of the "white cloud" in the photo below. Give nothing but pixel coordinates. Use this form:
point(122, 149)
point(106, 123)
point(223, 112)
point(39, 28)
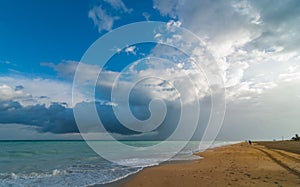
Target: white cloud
point(37, 91)
point(131, 49)
point(292, 74)
point(86, 75)
point(248, 90)
point(234, 73)
point(104, 19)
point(117, 50)
point(241, 35)
point(167, 7)
point(101, 19)
point(66, 69)
point(9, 93)
point(257, 48)
point(146, 15)
point(153, 78)
point(244, 7)
point(173, 23)
point(118, 5)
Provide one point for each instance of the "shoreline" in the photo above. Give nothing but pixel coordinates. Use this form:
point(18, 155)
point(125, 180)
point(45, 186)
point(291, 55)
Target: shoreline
point(122, 181)
point(232, 165)
point(130, 177)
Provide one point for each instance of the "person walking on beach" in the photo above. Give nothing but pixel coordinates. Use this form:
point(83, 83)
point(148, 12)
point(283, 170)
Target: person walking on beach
point(250, 143)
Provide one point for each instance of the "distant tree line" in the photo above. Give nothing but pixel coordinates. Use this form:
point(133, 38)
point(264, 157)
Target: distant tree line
point(296, 137)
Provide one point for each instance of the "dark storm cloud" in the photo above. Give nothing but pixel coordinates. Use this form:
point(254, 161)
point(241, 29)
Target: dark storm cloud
point(58, 119)
point(55, 118)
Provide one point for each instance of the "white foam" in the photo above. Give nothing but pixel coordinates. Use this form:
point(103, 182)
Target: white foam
point(140, 162)
point(220, 144)
point(119, 178)
point(13, 176)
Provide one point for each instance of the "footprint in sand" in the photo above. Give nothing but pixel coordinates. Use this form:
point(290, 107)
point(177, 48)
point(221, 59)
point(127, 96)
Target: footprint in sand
point(247, 174)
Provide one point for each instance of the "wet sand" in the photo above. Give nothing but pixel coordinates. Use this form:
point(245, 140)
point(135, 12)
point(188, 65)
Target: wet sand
point(233, 165)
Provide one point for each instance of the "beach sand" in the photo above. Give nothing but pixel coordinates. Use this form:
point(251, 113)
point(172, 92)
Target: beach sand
point(234, 165)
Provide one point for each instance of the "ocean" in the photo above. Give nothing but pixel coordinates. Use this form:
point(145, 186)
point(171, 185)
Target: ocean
point(70, 163)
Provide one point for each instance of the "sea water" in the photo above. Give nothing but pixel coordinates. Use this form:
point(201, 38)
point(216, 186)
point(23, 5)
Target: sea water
point(70, 163)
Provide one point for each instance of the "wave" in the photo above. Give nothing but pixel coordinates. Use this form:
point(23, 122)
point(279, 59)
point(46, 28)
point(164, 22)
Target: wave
point(85, 170)
point(60, 178)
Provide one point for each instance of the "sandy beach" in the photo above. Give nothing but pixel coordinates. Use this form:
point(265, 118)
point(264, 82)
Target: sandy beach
point(259, 164)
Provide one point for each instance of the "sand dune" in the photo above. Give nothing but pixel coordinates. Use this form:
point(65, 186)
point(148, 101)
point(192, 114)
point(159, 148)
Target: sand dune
point(234, 165)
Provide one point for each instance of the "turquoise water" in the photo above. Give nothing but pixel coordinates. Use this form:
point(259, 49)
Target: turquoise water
point(68, 163)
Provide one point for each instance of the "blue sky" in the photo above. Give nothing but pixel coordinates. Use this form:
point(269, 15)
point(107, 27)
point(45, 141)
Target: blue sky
point(51, 31)
point(37, 31)
point(254, 43)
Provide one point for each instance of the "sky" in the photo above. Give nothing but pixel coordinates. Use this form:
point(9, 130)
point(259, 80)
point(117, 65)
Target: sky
point(255, 45)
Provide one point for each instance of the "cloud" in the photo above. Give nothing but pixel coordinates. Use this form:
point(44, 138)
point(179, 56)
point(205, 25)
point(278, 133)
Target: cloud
point(55, 118)
point(31, 91)
point(256, 48)
point(146, 15)
point(131, 49)
point(66, 69)
point(141, 94)
point(245, 39)
point(19, 87)
point(101, 19)
point(167, 7)
point(152, 78)
point(13, 131)
point(118, 5)
point(104, 18)
point(272, 115)
point(58, 119)
point(292, 74)
point(5, 62)
point(173, 24)
point(48, 108)
point(279, 25)
point(9, 93)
